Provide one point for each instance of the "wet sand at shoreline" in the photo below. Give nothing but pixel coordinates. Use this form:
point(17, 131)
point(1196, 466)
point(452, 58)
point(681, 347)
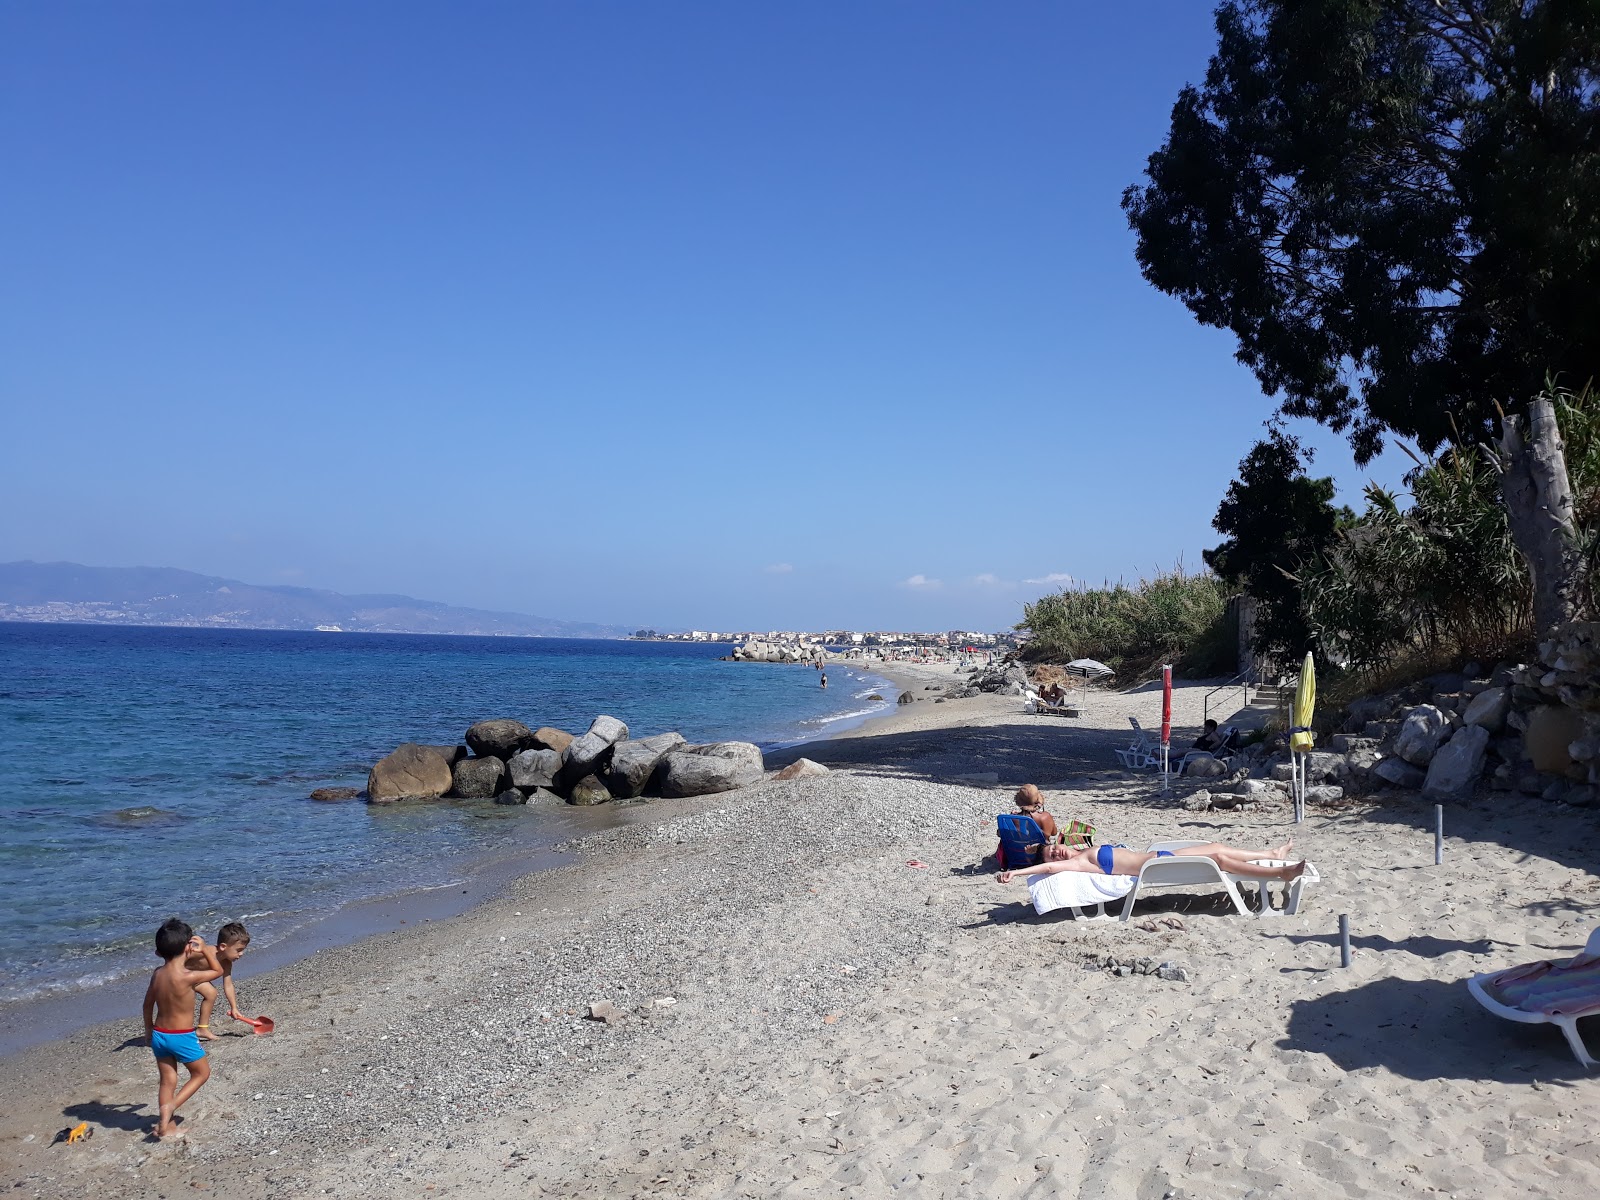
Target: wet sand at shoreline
point(842, 1021)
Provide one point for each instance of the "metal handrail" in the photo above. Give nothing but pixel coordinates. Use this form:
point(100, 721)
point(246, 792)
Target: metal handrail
point(1242, 678)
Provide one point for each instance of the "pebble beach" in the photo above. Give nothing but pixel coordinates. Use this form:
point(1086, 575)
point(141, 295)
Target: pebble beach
point(816, 987)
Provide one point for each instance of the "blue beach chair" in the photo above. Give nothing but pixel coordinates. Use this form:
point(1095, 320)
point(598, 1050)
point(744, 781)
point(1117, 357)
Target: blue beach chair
point(1017, 833)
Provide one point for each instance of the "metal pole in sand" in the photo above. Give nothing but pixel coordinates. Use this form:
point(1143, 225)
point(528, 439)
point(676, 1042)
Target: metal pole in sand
point(1438, 834)
point(1344, 940)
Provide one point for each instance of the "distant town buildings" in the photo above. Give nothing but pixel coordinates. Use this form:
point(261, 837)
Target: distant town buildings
point(953, 639)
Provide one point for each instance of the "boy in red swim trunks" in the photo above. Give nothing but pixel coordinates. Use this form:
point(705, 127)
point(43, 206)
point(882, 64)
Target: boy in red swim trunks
point(169, 1017)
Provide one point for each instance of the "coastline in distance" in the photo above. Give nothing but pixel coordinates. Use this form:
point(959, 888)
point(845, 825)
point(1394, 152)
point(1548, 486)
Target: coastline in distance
point(70, 592)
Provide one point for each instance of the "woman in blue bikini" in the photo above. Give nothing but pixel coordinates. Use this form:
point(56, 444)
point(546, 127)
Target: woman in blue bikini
point(1119, 860)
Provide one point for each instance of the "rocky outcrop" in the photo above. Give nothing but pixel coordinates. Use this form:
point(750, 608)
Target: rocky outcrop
point(511, 796)
point(802, 768)
point(1397, 772)
point(534, 769)
point(411, 772)
point(452, 754)
point(767, 651)
point(1456, 766)
point(633, 763)
point(685, 773)
point(478, 778)
point(500, 738)
point(588, 755)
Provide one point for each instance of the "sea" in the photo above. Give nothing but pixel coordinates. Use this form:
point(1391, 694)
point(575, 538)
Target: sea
point(152, 772)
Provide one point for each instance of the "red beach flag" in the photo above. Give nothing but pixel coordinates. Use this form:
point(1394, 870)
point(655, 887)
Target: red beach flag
point(1166, 706)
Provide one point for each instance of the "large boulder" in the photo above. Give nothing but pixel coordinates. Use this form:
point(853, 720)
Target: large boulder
point(588, 755)
point(687, 774)
point(546, 738)
point(589, 790)
point(1397, 772)
point(1205, 767)
point(412, 772)
point(747, 754)
point(1421, 734)
point(1457, 764)
point(479, 778)
point(609, 729)
point(1359, 764)
point(534, 769)
point(633, 762)
point(452, 754)
point(500, 738)
point(1551, 731)
point(1323, 767)
point(511, 796)
point(1489, 709)
point(802, 768)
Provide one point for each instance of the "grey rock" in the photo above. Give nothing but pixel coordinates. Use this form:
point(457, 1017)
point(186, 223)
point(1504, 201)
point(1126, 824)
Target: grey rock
point(1343, 743)
point(452, 754)
point(511, 796)
point(686, 774)
point(588, 791)
point(534, 769)
point(634, 762)
point(478, 778)
point(1283, 772)
point(1172, 972)
point(1358, 764)
point(1379, 731)
point(604, 1010)
point(802, 768)
point(1398, 773)
point(1489, 708)
point(411, 772)
point(1322, 766)
point(1206, 768)
point(588, 755)
point(544, 796)
point(499, 738)
point(609, 730)
point(1421, 734)
point(1457, 764)
point(1199, 802)
point(905, 698)
point(335, 793)
point(747, 754)
point(1324, 793)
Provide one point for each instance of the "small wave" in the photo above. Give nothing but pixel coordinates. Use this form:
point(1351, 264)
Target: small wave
point(845, 716)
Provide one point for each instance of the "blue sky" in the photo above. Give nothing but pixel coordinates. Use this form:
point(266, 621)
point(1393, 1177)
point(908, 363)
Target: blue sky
point(689, 314)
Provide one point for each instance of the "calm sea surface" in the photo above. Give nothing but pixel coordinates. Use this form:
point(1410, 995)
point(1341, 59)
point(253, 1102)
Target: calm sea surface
point(150, 772)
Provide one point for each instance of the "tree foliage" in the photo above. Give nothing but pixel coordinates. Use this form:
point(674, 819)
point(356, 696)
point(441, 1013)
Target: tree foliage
point(1176, 617)
point(1394, 205)
point(1276, 520)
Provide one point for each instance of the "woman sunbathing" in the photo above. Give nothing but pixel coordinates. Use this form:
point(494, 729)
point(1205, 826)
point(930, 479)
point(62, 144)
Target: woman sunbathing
point(1119, 860)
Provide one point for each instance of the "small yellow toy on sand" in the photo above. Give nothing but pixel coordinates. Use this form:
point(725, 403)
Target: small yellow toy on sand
point(81, 1132)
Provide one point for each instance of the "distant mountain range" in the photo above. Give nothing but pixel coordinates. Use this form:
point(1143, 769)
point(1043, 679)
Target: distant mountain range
point(61, 592)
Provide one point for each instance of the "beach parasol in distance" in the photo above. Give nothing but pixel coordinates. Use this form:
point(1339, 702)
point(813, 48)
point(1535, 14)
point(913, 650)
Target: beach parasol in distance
point(1088, 668)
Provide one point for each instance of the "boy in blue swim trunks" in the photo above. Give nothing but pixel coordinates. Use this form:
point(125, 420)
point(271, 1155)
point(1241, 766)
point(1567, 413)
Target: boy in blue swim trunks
point(169, 1017)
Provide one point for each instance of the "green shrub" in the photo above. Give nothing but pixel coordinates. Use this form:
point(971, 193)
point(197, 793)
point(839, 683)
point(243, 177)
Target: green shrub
point(1175, 617)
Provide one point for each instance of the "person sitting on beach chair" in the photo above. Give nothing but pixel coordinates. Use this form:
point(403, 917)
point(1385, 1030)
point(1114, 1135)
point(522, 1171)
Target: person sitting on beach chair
point(1051, 696)
point(1030, 803)
point(1119, 860)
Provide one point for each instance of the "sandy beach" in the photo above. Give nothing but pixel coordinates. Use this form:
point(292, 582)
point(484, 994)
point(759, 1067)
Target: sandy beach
point(803, 1012)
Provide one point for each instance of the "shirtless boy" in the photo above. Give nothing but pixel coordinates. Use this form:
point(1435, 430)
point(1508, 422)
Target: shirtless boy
point(233, 939)
point(169, 1017)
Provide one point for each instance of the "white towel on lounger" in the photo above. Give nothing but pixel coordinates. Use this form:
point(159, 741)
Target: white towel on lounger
point(1076, 889)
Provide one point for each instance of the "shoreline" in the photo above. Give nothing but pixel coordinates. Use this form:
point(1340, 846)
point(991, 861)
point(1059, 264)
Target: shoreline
point(39, 1018)
point(843, 1020)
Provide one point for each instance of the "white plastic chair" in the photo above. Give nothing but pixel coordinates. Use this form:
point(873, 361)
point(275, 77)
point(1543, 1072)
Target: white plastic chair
point(1555, 993)
point(1186, 871)
point(1143, 751)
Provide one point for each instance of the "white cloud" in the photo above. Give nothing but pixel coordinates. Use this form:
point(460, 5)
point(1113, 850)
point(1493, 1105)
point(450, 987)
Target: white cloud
point(780, 568)
point(922, 582)
point(1054, 579)
point(989, 579)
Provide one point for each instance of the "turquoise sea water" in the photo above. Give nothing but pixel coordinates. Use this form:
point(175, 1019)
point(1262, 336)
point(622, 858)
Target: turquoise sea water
point(149, 772)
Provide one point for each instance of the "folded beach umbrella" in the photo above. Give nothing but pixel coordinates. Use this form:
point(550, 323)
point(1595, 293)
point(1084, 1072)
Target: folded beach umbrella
point(1300, 737)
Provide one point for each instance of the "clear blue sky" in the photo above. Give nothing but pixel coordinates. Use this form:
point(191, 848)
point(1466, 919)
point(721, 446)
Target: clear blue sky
point(690, 314)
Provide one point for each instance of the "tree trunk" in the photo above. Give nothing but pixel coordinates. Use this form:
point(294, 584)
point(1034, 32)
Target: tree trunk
point(1538, 497)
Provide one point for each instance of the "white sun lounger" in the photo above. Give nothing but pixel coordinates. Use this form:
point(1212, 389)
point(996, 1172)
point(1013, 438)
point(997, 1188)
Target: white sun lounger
point(1557, 993)
point(1193, 871)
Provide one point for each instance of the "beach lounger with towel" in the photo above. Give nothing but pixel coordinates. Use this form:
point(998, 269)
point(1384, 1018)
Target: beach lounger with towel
point(1077, 889)
point(1193, 870)
point(1557, 993)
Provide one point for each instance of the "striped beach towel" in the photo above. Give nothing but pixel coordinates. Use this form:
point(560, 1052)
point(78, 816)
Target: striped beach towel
point(1570, 989)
